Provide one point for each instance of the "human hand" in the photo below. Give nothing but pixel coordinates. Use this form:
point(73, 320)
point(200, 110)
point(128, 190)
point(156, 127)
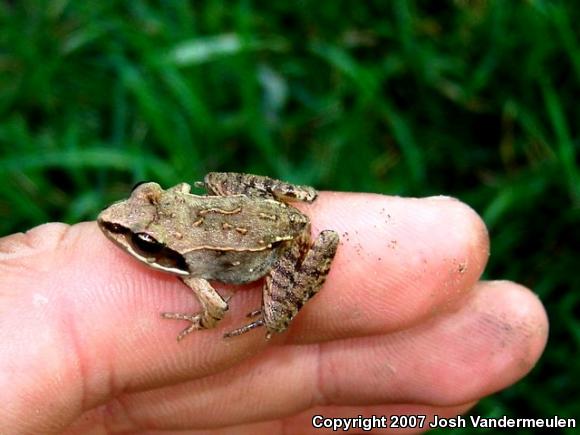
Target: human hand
point(402, 326)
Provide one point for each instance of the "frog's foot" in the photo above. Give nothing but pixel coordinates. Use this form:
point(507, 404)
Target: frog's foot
point(233, 183)
point(195, 320)
point(247, 328)
point(198, 321)
point(213, 305)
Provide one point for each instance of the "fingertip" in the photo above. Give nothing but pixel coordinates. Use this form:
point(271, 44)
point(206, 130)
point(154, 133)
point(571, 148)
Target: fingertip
point(468, 221)
point(400, 260)
point(524, 317)
point(502, 332)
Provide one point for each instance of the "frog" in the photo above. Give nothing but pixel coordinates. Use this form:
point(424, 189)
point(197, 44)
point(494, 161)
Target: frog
point(242, 229)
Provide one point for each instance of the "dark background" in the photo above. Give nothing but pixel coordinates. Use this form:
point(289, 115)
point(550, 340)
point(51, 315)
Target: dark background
point(475, 99)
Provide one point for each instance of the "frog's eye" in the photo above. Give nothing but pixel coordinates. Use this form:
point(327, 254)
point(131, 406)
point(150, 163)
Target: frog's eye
point(146, 243)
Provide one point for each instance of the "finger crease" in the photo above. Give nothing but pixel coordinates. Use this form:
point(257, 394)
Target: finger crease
point(318, 396)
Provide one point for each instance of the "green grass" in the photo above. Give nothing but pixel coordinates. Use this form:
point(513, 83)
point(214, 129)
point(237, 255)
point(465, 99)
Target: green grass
point(475, 99)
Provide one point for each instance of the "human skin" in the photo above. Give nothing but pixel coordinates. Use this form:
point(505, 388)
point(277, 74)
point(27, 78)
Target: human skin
point(402, 325)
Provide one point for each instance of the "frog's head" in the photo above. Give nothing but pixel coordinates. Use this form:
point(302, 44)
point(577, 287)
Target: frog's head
point(127, 224)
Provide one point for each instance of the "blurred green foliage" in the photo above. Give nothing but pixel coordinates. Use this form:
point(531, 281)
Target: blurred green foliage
point(475, 99)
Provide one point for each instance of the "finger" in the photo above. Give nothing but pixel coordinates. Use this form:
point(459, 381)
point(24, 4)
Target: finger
point(492, 341)
point(419, 418)
point(91, 311)
point(458, 357)
point(400, 261)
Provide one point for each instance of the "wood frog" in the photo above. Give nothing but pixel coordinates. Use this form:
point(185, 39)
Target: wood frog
point(243, 229)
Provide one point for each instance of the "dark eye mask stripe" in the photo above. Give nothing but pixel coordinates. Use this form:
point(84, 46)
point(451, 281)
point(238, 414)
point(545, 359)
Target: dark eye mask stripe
point(147, 247)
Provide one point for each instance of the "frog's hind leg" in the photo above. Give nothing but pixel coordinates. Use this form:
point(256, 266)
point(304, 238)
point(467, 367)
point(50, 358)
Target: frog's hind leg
point(288, 292)
point(214, 307)
point(234, 183)
point(294, 279)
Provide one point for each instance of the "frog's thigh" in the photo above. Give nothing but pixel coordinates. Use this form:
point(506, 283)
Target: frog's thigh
point(288, 288)
point(233, 183)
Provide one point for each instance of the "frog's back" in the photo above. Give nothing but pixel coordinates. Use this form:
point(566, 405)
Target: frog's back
point(231, 223)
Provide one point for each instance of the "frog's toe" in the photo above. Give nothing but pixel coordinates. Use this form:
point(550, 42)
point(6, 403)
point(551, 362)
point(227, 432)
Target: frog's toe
point(246, 328)
point(254, 313)
point(187, 331)
point(195, 320)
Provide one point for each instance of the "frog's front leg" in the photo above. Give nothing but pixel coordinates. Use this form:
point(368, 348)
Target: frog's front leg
point(294, 279)
point(235, 183)
point(213, 307)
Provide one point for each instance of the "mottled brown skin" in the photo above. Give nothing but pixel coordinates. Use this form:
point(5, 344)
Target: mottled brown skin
point(241, 231)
